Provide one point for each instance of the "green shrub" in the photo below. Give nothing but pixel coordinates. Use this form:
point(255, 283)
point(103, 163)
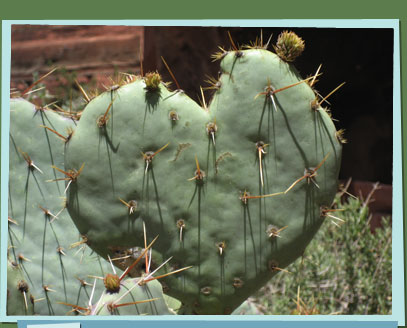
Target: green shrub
point(346, 269)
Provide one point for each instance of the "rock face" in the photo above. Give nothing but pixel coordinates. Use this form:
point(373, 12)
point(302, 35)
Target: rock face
point(88, 50)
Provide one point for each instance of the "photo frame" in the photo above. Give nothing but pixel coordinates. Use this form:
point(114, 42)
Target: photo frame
point(398, 260)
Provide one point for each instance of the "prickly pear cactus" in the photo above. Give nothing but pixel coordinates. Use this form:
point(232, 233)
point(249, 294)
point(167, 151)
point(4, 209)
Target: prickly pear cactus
point(41, 232)
point(133, 298)
point(236, 189)
point(18, 292)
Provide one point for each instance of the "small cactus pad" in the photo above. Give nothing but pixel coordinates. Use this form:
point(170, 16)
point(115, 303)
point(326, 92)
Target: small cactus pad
point(133, 298)
point(41, 232)
point(289, 46)
point(210, 181)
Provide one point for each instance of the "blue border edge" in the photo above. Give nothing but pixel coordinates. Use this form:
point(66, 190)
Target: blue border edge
point(398, 310)
point(229, 323)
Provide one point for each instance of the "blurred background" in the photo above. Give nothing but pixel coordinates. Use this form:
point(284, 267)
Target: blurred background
point(363, 58)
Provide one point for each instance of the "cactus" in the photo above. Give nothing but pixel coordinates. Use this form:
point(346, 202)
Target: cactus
point(19, 300)
point(46, 273)
point(40, 229)
point(289, 46)
point(123, 295)
point(236, 188)
point(133, 298)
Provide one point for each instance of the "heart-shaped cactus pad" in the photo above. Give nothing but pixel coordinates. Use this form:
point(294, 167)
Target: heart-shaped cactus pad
point(236, 187)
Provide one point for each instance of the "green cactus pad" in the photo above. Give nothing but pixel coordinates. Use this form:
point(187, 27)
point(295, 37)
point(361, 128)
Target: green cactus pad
point(39, 243)
point(129, 300)
point(19, 300)
point(148, 156)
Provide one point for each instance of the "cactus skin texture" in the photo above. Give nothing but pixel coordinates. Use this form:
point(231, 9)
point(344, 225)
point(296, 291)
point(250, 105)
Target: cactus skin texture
point(18, 293)
point(39, 244)
point(195, 169)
